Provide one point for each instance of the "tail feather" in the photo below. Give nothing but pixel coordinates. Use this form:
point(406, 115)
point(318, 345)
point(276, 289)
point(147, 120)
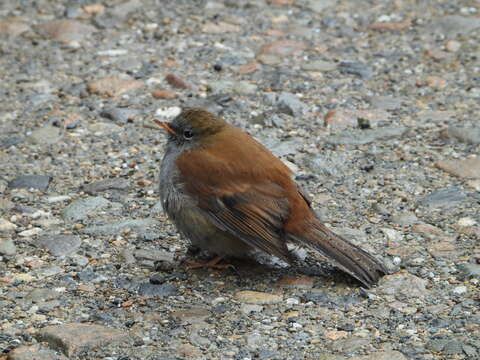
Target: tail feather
point(345, 255)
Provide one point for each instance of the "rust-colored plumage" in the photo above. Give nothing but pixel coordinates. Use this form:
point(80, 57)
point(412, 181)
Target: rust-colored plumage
point(244, 190)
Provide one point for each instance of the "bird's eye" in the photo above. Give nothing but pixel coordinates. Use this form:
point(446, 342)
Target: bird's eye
point(188, 134)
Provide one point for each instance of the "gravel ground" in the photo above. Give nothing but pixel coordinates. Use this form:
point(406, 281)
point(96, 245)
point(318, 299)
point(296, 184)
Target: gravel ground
point(376, 107)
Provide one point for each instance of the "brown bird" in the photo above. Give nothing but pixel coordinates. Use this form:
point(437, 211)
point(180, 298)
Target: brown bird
point(228, 194)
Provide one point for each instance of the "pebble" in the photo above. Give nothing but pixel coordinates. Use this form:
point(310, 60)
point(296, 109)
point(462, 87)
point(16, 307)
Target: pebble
point(152, 290)
point(13, 26)
point(7, 247)
point(34, 352)
point(319, 65)
point(362, 137)
point(460, 290)
point(116, 227)
point(454, 25)
point(443, 249)
point(177, 82)
point(319, 5)
point(250, 308)
point(236, 87)
point(356, 68)
point(443, 198)
point(258, 298)
point(120, 115)
point(106, 184)
point(386, 102)
point(39, 182)
point(59, 245)
point(382, 355)
point(81, 209)
point(192, 315)
point(403, 284)
point(469, 270)
point(6, 226)
point(220, 28)
point(296, 282)
point(30, 232)
point(66, 30)
point(405, 219)
point(47, 135)
point(164, 94)
point(113, 86)
point(342, 118)
point(168, 112)
point(469, 135)
point(73, 338)
point(282, 48)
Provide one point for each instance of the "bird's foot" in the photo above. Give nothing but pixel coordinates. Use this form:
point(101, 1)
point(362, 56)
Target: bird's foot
point(210, 264)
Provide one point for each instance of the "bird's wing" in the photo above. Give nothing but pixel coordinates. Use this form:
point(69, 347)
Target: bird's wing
point(239, 197)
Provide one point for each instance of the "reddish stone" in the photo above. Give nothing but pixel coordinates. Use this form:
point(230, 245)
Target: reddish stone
point(390, 26)
point(283, 48)
point(164, 94)
point(113, 86)
point(176, 81)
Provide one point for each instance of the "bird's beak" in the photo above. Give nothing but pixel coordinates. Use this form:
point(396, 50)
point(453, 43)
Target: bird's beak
point(165, 126)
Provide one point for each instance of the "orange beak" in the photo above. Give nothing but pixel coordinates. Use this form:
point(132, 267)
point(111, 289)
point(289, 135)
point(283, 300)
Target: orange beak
point(165, 126)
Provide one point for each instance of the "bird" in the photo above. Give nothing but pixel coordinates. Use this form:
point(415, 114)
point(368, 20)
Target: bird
point(228, 194)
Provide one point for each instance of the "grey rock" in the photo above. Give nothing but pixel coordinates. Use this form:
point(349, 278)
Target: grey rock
point(139, 225)
point(199, 340)
point(470, 351)
point(469, 135)
point(382, 355)
point(151, 290)
point(107, 184)
point(34, 352)
point(469, 270)
point(124, 9)
point(319, 5)
point(282, 147)
point(39, 182)
point(120, 115)
point(443, 198)
point(436, 345)
point(350, 344)
point(41, 294)
point(403, 284)
point(453, 347)
point(47, 135)
point(236, 87)
point(82, 208)
point(154, 255)
point(319, 65)
point(386, 102)
point(454, 25)
point(48, 271)
point(7, 247)
point(73, 338)
point(289, 104)
point(10, 140)
point(59, 245)
point(405, 219)
point(362, 137)
point(356, 68)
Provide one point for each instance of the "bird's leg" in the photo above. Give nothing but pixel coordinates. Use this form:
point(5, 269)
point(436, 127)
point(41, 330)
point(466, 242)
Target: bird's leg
point(213, 263)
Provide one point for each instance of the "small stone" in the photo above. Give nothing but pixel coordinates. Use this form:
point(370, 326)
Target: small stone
point(405, 219)
point(443, 249)
point(282, 48)
point(475, 184)
point(391, 234)
point(220, 28)
point(250, 308)
point(113, 86)
point(177, 81)
point(34, 352)
point(7, 247)
point(426, 229)
point(74, 338)
point(154, 255)
point(39, 182)
point(382, 355)
point(298, 282)
point(59, 245)
point(94, 9)
point(468, 135)
point(249, 68)
point(187, 351)
point(390, 26)
point(335, 335)
point(436, 82)
point(453, 45)
point(466, 221)
point(362, 137)
point(453, 347)
point(120, 115)
point(103, 128)
point(289, 104)
point(319, 65)
point(105, 185)
point(236, 87)
point(13, 26)
point(319, 5)
point(193, 315)
point(443, 198)
point(113, 228)
point(254, 340)
point(30, 232)
point(83, 208)
point(436, 116)
point(164, 94)
point(66, 30)
point(386, 102)
point(356, 68)
point(460, 290)
point(124, 9)
point(152, 290)
point(469, 270)
point(350, 344)
point(47, 135)
point(168, 112)
point(40, 295)
point(6, 225)
point(403, 284)
point(454, 25)
point(257, 297)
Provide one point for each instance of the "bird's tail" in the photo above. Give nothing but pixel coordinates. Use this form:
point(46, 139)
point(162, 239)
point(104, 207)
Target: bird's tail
point(345, 255)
